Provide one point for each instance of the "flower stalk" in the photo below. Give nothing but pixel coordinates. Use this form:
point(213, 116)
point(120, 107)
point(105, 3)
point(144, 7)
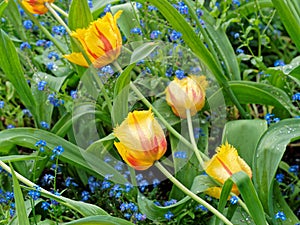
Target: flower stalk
point(191, 194)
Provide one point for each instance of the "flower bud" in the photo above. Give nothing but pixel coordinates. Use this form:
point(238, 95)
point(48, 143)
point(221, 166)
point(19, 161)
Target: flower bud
point(141, 140)
point(224, 164)
point(36, 6)
point(101, 41)
point(186, 94)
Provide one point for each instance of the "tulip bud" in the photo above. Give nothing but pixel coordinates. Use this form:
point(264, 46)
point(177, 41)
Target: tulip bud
point(141, 140)
point(36, 6)
point(101, 41)
point(222, 165)
point(187, 93)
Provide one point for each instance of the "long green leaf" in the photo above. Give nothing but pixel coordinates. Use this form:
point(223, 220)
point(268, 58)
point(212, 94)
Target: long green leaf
point(99, 220)
point(3, 6)
point(80, 15)
point(27, 137)
point(252, 92)
point(267, 157)
point(11, 66)
point(290, 18)
point(121, 92)
point(244, 136)
point(250, 197)
point(19, 201)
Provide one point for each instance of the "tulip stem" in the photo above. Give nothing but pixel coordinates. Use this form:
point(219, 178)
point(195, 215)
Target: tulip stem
point(57, 17)
point(164, 121)
point(191, 194)
point(192, 137)
point(62, 12)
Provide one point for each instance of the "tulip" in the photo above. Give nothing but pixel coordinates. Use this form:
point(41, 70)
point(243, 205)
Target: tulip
point(141, 140)
point(36, 6)
point(186, 94)
point(222, 165)
point(101, 41)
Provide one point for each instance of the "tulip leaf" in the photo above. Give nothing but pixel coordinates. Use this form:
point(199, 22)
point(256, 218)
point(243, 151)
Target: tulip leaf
point(98, 6)
point(3, 6)
point(54, 84)
point(258, 93)
point(267, 157)
point(27, 137)
point(244, 136)
point(289, 13)
point(128, 21)
point(99, 220)
point(13, 14)
point(121, 92)
point(16, 158)
point(19, 200)
point(250, 197)
point(143, 51)
point(80, 15)
point(154, 212)
point(12, 69)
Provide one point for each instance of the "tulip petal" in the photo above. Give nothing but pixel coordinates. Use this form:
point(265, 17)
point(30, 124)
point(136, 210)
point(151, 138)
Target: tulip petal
point(77, 58)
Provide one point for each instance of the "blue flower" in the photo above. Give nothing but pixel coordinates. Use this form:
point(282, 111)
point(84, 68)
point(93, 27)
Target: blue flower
point(236, 35)
point(45, 205)
point(169, 72)
point(85, 195)
point(41, 144)
point(44, 125)
point(73, 94)
point(69, 182)
point(51, 66)
point(107, 8)
point(9, 195)
point(201, 207)
point(280, 215)
point(136, 30)
point(47, 178)
point(183, 10)
point(139, 177)
point(25, 45)
point(34, 194)
point(27, 112)
point(139, 216)
point(234, 200)
point(10, 126)
point(41, 85)
point(93, 184)
point(53, 55)
point(40, 43)
point(57, 151)
point(55, 101)
point(138, 5)
point(294, 169)
point(127, 215)
point(90, 3)
point(180, 154)
point(179, 74)
point(152, 8)
point(236, 2)
point(169, 215)
point(105, 184)
point(279, 177)
point(27, 24)
point(239, 51)
point(1, 104)
point(279, 62)
point(170, 202)
point(296, 97)
point(174, 35)
point(199, 13)
point(59, 30)
point(155, 34)
point(155, 182)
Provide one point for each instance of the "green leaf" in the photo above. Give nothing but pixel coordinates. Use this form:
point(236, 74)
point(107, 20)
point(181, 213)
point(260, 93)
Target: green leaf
point(250, 197)
point(143, 51)
point(99, 220)
point(244, 136)
point(11, 66)
point(267, 157)
point(16, 158)
point(54, 84)
point(128, 21)
point(121, 92)
point(19, 200)
point(289, 13)
point(13, 14)
point(259, 93)
point(3, 6)
point(152, 211)
point(80, 15)
point(27, 137)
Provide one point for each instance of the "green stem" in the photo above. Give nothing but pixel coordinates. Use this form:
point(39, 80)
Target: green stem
point(191, 194)
point(164, 121)
point(192, 137)
point(62, 12)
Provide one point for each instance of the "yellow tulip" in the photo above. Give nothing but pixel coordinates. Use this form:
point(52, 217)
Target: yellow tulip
point(101, 41)
point(186, 93)
point(222, 165)
point(36, 6)
point(141, 140)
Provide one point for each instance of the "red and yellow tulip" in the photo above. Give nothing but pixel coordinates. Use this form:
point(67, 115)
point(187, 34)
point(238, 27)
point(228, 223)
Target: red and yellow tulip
point(36, 6)
point(187, 93)
point(141, 140)
point(222, 165)
point(101, 41)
